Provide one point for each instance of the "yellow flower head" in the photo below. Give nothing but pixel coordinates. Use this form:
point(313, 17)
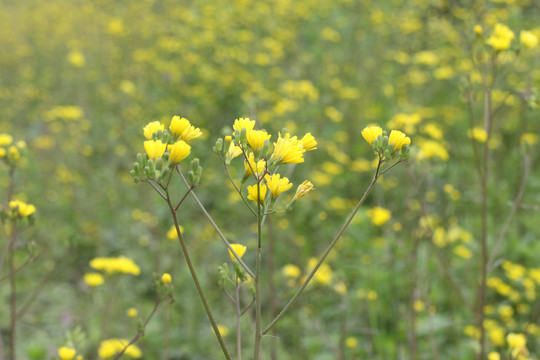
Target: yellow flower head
point(5, 139)
point(516, 340)
point(239, 249)
point(277, 185)
point(398, 139)
point(151, 128)
point(109, 348)
point(252, 192)
point(182, 128)
point(478, 134)
point(379, 216)
point(22, 208)
point(243, 123)
point(66, 353)
point(178, 151)
point(154, 148)
point(478, 30)
point(234, 151)
point(494, 356)
point(501, 38)
point(291, 271)
point(288, 150)
point(303, 189)
point(256, 138)
point(111, 265)
point(259, 168)
point(528, 39)
point(308, 142)
point(93, 279)
point(166, 278)
point(529, 138)
point(370, 133)
point(132, 312)
point(13, 153)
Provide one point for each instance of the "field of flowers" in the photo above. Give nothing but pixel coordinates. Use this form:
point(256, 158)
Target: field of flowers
point(374, 161)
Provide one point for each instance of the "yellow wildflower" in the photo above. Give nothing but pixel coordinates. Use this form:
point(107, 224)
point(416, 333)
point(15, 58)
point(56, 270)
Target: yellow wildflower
point(223, 330)
point(166, 278)
point(252, 192)
point(303, 189)
point(518, 344)
point(233, 152)
point(239, 249)
point(132, 312)
point(154, 148)
point(243, 123)
point(478, 30)
point(93, 279)
point(379, 216)
point(76, 58)
point(111, 265)
point(463, 252)
point(258, 168)
point(182, 128)
point(494, 356)
point(151, 128)
point(3, 152)
point(478, 134)
point(5, 139)
point(291, 271)
point(171, 234)
point(501, 38)
point(370, 133)
point(528, 39)
point(398, 139)
point(23, 209)
point(13, 153)
point(351, 342)
point(323, 274)
point(109, 348)
point(178, 151)
point(66, 353)
point(288, 150)
point(256, 138)
point(529, 138)
point(308, 142)
point(277, 185)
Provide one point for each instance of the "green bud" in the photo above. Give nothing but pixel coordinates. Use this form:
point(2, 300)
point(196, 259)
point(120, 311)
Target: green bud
point(290, 205)
point(195, 164)
point(219, 145)
point(147, 172)
point(266, 148)
point(191, 178)
point(165, 173)
point(243, 138)
point(159, 163)
point(134, 175)
point(239, 271)
point(384, 142)
point(152, 168)
point(140, 158)
point(387, 153)
point(223, 271)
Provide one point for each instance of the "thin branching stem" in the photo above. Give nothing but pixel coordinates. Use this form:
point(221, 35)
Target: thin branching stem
point(327, 251)
point(220, 233)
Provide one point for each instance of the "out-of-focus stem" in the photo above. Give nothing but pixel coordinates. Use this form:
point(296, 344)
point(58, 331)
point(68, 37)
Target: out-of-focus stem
point(258, 303)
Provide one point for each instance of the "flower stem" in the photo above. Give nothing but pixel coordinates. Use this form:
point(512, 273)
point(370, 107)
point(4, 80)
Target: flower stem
point(327, 251)
point(258, 334)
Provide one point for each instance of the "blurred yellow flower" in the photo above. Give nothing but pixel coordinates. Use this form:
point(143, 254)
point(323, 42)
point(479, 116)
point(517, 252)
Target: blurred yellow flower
point(5, 139)
point(223, 330)
point(303, 189)
point(151, 128)
point(379, 216)
point(66, 353)
point(478, 30)
point(308, 142)
point(528, 39)
point(252, 192)
point(398, 139)
point(370, 133)
point(239, 249)
point(501, 38)
point(109, 348)
point(132, 312)
point(256, 139)
point(494, 356)
point(23, 209)
point(323, 274)
point(166, 278)
point(277, 185)
point(171, 234)
point(178, 151)
point(154, 148)
point(93, 279)
point(463, 252)
point(76, 58)
point(478, 134)
point(113, 265)
point(182, 128)
point(428, 149)
point(529, 138)
point(351, 342)
point(291, 271)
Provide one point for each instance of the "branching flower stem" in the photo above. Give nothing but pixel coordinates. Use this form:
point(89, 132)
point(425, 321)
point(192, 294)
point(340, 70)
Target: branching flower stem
point(195, 278)
point(258, 334)
point(329, 248)
point(220, 233)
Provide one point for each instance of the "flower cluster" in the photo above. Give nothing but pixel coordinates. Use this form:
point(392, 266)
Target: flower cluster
point(262, 159)
point(20, 209)
point(9, 151)
point(396, 145)
point(164, 148)
point(109, 348)
point(113, 265)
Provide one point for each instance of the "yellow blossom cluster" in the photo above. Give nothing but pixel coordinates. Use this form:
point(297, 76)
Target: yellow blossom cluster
point(21, 209)
point(9, 151)
point(109, 348)
point(113, 265)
